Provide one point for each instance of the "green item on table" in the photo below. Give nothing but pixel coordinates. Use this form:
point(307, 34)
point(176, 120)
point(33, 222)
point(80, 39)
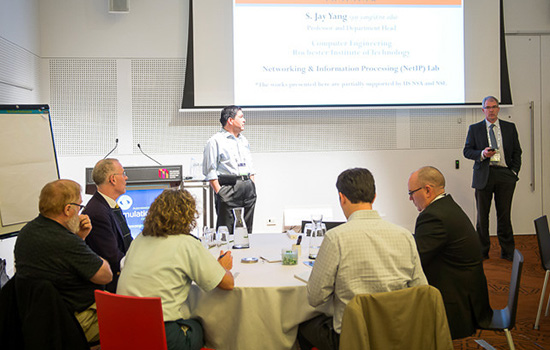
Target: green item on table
point(290, 257)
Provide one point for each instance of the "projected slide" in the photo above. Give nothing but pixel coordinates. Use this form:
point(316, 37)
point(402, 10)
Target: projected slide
point(348, 52)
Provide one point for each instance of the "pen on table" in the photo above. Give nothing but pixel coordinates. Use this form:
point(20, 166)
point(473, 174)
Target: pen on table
point(299, 240)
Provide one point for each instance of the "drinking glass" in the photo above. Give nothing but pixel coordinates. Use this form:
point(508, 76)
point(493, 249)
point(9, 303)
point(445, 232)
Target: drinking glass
point(308, 228)
point(209, 237)
point(212, 238)
point(204, 236)
point(223, 238)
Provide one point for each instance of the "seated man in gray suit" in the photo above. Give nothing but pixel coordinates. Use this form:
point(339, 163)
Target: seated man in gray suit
point(450, 252)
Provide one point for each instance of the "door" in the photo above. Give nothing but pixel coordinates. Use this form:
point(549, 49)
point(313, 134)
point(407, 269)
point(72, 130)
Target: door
point(524, 64)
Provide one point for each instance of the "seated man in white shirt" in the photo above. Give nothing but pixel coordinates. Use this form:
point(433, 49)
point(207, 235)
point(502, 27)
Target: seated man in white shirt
point(364, 255)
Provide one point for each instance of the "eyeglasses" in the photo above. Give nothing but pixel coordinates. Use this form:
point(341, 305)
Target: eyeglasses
point(413, 191)
point(122, 173)
point(80, 206)
point(491, 107)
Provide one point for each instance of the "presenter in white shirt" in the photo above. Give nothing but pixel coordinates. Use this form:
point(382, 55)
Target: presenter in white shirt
point(227, 165)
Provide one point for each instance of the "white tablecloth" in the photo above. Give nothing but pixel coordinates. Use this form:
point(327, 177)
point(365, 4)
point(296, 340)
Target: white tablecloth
point(266, 306)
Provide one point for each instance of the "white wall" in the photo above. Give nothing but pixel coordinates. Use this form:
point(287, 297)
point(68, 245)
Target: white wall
point(82, 28)
point(20, 80)
point(20, 23)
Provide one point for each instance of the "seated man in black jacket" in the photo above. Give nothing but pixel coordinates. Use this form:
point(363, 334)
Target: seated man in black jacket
point(110, 237)
point(450, 252)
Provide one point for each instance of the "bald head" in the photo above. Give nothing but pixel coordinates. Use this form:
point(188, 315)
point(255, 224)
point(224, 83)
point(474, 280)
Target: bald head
point(429, 175)
point(425, 185)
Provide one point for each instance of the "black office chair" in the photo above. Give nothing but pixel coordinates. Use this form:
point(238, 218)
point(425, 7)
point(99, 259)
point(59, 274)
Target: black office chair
point(543, 237)
point(505, 319)
point(329, 225)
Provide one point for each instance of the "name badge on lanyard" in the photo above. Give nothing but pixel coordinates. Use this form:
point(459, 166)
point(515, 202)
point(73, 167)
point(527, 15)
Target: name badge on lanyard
point(243, 169)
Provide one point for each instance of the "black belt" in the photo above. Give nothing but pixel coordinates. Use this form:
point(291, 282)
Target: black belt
point(231, 179)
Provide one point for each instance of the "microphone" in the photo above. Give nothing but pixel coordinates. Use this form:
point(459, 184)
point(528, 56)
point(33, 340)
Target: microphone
point(116, 145)
point(147, 155)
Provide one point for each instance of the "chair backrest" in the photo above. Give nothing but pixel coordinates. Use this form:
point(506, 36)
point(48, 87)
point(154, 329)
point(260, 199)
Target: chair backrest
point(127, 322)
point(543, 237)
point(410, 318)
point(517, 266)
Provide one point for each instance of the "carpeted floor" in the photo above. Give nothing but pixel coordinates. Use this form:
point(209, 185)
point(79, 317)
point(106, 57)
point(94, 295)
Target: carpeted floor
point(498, 277)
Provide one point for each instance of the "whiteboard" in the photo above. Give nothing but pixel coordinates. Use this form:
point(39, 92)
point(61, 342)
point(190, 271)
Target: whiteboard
point(27, 162)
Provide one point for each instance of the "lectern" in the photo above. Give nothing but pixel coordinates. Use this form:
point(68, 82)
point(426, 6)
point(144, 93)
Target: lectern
point(145, 177)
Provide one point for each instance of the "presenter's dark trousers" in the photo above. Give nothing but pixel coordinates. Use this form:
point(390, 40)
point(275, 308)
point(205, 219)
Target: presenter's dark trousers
point(501, 184)
point(240, 195)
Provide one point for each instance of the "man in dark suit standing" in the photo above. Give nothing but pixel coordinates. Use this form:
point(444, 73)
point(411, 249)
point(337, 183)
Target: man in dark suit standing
point(450, 253)
point(110, 236)
point(494, 146)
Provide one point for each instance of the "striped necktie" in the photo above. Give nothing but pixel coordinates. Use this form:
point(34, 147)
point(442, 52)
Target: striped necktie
point(492, 137)
point(126, 235)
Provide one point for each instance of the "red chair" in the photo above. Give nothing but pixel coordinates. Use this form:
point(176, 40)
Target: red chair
point(130, 323)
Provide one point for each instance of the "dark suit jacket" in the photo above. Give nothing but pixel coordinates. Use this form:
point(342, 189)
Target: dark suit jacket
point(106, 236)
point(450, 252)
point(477, 141)
point(34, 316)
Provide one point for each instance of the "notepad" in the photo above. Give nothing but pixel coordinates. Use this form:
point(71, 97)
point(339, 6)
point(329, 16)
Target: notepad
point(303, 276)
point(291, 234)
point(272, 258)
